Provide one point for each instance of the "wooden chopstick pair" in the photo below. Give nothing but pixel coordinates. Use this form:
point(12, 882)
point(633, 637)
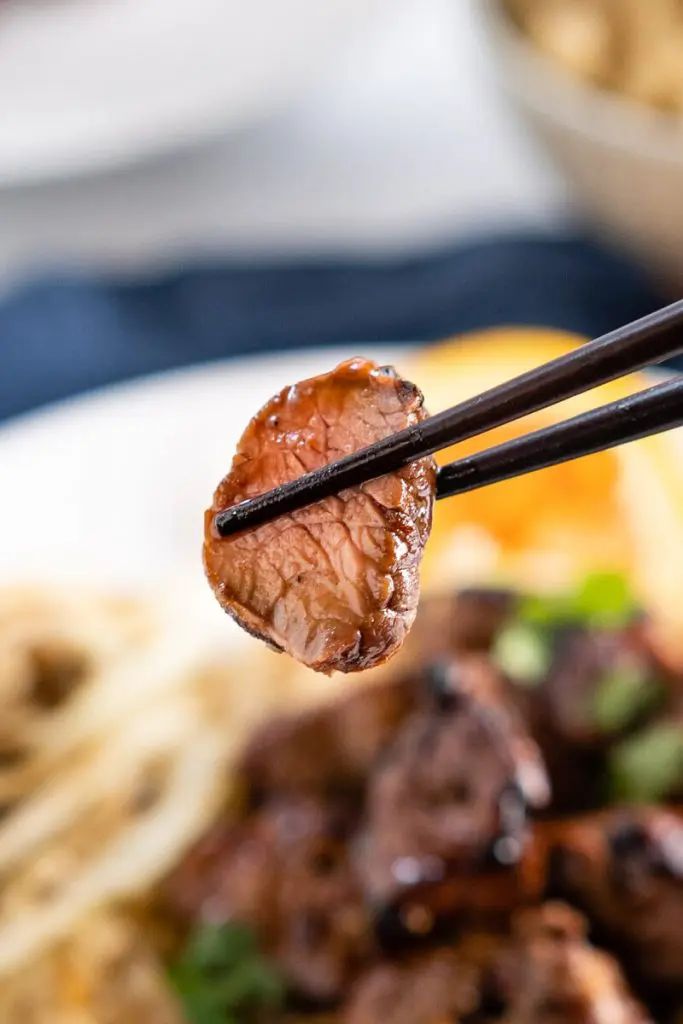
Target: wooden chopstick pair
point(645, 342)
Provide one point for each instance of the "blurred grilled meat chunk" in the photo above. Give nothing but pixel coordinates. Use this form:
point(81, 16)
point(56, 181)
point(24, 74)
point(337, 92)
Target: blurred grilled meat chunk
point(286, 873)
point(446, 810)
point(624, 869)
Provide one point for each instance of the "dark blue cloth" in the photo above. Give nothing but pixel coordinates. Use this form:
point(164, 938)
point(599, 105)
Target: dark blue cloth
point(59, 337)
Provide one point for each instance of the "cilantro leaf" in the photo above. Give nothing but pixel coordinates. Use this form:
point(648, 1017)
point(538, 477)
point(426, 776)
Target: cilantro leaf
point(221, 978)
point(601, 601)
point(523, 652)
point(604, 600)
point(648, 766)
point(622, 696)
point(524, 648)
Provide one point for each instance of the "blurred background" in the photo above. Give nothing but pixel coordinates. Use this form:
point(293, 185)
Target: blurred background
point(176, 176)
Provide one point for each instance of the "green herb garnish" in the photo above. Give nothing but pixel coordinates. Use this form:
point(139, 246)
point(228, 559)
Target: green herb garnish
point(221, 978)
point(524, 649)
point(649, 766)
point(602, 601)
point(523, 652)
point(622, 697)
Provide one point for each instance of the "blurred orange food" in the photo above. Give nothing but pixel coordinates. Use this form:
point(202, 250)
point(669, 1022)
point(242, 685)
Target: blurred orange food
point(620, 510)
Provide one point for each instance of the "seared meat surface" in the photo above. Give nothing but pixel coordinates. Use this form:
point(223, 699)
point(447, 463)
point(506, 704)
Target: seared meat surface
point(336, 585)
point(445, 806)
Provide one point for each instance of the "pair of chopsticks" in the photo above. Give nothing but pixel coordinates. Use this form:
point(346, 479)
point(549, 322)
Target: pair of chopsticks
point(643, 343)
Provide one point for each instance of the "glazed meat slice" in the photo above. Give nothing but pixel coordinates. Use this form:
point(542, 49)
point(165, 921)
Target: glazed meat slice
point(435, 989)
point(445, 816)
point(286, 873)
point(624, 869)
point(552, 975)
point(329, 749)
point(336, 585)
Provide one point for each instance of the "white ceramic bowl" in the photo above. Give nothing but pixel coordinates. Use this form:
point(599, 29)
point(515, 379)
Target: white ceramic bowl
point(624, 161)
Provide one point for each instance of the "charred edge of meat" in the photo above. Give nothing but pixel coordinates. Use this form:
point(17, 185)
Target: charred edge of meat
point(555, 882)
point(629, 839)
point(442, 687)
point(507, 846)
point(408, 393)
point(633, 846)
point(235, 615)
point(409, 925)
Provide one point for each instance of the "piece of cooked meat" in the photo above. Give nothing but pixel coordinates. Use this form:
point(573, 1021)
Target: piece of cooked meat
point(446, 814)
point(624, 869)
point(287, 874)
point(336, 584)
point(434, 989)
point(551, 974)
point(479, 678)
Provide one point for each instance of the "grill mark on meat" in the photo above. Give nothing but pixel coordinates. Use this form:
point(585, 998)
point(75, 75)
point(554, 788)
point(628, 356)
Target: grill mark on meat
point(443, 808)
point(335, 584)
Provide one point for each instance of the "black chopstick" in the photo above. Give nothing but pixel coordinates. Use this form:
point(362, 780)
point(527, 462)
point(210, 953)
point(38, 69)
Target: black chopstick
point(649, 412)
point(644, 342)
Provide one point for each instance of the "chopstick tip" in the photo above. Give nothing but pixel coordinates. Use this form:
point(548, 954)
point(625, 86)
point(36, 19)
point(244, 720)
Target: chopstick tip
point(226, 523)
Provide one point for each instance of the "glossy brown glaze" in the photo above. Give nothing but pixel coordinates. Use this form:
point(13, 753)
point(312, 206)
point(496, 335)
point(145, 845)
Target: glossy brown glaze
point(336, 584)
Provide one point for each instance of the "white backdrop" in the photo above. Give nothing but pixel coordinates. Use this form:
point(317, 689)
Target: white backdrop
point(403, 141)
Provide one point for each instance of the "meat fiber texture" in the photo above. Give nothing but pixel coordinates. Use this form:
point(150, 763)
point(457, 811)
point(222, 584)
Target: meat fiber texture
point(336, 585)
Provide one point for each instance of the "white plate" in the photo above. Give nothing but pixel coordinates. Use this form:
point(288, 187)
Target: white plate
point(111, 489)
point(87, 83)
